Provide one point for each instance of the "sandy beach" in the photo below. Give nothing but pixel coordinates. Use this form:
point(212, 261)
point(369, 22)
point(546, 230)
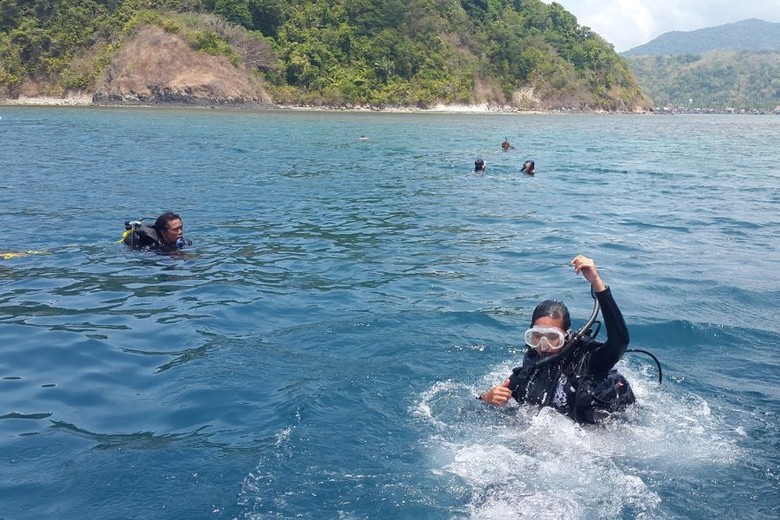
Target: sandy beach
point(82, 100)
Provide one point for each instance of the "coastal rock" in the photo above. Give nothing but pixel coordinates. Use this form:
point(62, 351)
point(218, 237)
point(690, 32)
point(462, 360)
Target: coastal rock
point(160, 67)
point(526, 98)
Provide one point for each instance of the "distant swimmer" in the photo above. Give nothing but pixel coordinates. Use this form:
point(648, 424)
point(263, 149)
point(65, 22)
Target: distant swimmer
point(505, 145)
point(479, 165)
point(529, 167)
point(167, 234)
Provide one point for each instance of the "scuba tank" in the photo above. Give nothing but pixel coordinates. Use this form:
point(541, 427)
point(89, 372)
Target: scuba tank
point(138, 235)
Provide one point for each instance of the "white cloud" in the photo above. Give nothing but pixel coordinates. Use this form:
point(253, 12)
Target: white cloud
point(628, 23)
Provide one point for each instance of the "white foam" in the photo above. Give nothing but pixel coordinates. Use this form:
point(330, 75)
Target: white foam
point(523, 462)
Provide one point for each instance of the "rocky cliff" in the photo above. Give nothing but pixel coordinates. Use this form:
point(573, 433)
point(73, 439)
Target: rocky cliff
point(156, 66)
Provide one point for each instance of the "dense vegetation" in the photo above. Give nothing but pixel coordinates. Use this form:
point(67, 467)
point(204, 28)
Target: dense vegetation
point(717, 80)
point(372, 52)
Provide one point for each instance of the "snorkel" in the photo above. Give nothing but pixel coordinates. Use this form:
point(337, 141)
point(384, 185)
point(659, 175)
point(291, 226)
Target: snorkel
point(572, 340)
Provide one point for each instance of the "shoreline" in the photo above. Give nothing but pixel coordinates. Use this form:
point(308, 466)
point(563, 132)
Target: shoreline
point(482, 108)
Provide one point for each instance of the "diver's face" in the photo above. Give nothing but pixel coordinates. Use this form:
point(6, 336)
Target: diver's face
point(174, 232)
point(552, 341)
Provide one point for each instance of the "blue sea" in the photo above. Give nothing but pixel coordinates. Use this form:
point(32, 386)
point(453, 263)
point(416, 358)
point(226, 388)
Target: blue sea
point(317, 351)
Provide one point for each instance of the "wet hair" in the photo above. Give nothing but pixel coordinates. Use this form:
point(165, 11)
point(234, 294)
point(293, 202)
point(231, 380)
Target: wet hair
point(479, 165)
point(554, 309)
point(162, 222)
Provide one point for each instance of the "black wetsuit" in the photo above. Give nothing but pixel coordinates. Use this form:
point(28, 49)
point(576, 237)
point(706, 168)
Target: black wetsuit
point(145, 237)
point(580, 383)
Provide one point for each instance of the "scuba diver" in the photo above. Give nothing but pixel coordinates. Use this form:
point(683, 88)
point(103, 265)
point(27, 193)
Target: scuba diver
point(479, 165)
point(167, 234)
point(567, 370)
point(505, 145)
point(529, 167)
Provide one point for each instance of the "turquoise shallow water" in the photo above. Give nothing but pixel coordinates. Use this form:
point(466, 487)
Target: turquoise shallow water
point(316, 352)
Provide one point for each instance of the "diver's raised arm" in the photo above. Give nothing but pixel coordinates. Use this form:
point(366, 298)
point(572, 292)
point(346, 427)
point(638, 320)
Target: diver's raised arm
point(607, 354)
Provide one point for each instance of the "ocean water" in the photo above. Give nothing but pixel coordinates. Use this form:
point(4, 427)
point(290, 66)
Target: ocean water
point(316, 352)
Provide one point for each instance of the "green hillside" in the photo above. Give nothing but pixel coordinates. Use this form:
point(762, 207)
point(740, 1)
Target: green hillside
point(520, 53)
point(715, 80)
point(732, 66)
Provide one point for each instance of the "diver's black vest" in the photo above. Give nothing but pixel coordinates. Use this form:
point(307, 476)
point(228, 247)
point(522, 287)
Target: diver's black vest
point(143, 237)
point(567, 385)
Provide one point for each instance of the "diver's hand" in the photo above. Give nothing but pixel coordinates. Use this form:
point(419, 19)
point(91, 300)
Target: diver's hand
point(498, 395)
point(587, 267)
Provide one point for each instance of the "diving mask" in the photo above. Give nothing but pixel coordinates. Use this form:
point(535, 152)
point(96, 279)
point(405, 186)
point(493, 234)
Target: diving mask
point(545, 339)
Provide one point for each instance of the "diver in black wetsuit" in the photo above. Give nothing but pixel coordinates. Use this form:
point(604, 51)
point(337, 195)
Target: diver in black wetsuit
point(167, 234)
point(572, 373)
point(529, 167)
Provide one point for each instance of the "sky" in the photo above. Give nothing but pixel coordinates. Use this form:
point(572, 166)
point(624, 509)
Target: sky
point(629, 23)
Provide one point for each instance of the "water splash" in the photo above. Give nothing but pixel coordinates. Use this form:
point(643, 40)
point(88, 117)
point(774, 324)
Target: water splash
point(523, 462)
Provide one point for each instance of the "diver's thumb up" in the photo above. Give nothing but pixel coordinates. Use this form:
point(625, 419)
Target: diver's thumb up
point(498, 395)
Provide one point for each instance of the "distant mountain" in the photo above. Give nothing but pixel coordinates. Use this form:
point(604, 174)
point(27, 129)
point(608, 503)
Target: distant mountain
point(732, 66)
point(747, 35)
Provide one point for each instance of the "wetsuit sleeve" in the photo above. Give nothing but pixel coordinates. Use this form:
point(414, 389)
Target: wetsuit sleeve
point(604, 357)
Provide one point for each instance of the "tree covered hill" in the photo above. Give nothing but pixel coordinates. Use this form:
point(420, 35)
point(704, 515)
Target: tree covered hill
point(733, 66)
point(747, 35)
point(725, 80)
point(520, 53)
